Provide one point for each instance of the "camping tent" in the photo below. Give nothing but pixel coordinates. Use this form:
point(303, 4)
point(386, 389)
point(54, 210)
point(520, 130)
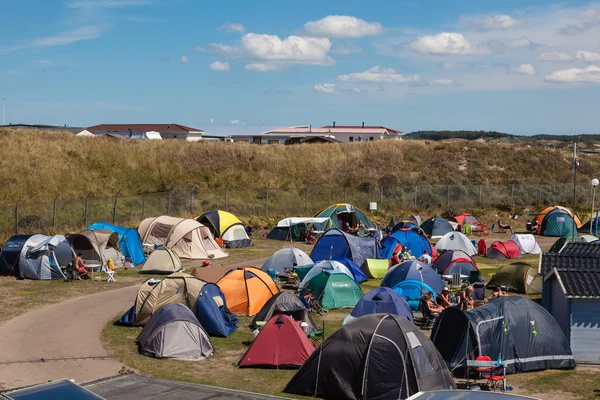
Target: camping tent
point(436, 227)
point(412, 290)
point(211, 273)
point(375, 268)
point(526, 243)
point(455, 262)
point(339, 214)
point(404, 225)
point(325, 265)
point(518, 277)
point(507, 249)
point(456, 241)
point(35, 256)
point(287, 303)
point(378, 356)
point(333, 289)
point(465, 218)
point(558, 221)
point(186, 237)
point(336, 244)
point(413, 269)
point(211, 309)
point(247, 289)
point(357, 274)
point(174, 332)
point(175, 288)
point(291, 228)
point(283, 261)
point(161, 261)
point(130, 242)
point(226, 226)
point(562, 242)
point(381, 300)
point(415, 219)
point(416, 243)
point(526, 336)
point(97, 246)
point(281, 343)
point(594, 222)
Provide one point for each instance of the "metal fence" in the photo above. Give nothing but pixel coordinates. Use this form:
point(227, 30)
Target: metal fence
point(71, 215)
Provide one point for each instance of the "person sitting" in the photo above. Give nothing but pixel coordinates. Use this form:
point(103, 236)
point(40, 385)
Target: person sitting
point(465, 299)
point(426, 258)
point(504, 226)
point(497, 292)
point(435, 308)
point(347, 228)
point(535, 227)
point(444, 298)
point(395, 260)
point(378, 235)
point(404, 254)
point(360, 225)
point(79, 266)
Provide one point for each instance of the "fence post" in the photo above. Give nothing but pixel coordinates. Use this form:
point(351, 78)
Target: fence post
point(54, 213)
point(512, 192)
point(115, 207)
point(345, 194)
point(17, 217)
point(306, 201)
point(540, 199)
point(226, 197)
point(480, 196)
point(191, 200)
point(169, 203)
point(447, 197)
point(85, 211)
point(143, 205)
point(416, 194)
point(267, 202)
point(381, 196)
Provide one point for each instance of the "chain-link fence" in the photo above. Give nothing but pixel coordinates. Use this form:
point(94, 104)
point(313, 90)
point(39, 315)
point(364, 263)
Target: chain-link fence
point(128, 210)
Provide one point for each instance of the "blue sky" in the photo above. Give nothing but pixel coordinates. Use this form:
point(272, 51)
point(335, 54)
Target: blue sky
point(522, 67)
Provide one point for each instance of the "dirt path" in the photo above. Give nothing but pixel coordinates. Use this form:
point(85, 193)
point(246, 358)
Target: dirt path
point(70, 329)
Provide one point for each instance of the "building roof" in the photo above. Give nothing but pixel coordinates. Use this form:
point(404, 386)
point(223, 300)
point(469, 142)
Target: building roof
point(43, 127)
point(324, 138)
point(331, 131)
point(581, 249)
point(578, 283)
point(161, 128)
point(560, 261)
point(394, 131)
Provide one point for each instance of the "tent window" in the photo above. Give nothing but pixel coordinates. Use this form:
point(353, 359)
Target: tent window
point(351, 138)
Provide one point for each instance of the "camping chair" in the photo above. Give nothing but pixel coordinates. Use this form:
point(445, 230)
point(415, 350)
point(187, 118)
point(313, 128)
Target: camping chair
point(428, 317)
point(493, 375)
point(362, 232)
point(110, 274)
point(317, 337)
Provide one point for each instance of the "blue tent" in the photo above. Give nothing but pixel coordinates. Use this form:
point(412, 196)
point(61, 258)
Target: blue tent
point(415, 242)
point(403, 225)
point(129, 241)
point(414, 270)
point(212, 312)
point(412, 291)
point(357, 273)
point(382, 300)
point(336, 244)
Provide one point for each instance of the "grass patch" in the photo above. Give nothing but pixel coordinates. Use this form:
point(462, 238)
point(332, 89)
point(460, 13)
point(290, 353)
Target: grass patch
point(583, 382)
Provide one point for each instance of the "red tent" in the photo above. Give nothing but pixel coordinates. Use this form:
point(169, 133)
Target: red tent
point(280, 343)
point(454, 261)
point(508, 249)
point(465, 218)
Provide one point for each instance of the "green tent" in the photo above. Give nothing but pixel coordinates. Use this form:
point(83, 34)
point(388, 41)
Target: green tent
point(339, 214)
point(518, 277)
point(334, 289)
point(562, 242)
point(302, 271)
point(375, 268)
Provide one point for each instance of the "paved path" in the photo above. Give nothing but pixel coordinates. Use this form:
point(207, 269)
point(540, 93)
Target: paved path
point(64, 330)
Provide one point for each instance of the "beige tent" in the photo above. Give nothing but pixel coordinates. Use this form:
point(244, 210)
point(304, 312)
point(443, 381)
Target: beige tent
point(186, 237)
point(176, 288)
point(97, 246)
point(161, 261)
point(211, 273)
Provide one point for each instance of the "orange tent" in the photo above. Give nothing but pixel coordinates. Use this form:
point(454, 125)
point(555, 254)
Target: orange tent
point(542, 214)
point(247, 290)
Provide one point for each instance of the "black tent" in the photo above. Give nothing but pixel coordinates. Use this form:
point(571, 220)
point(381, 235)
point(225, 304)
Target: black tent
point(287, 303)
point(378, 356)
point(436, 227)
point(520, 331)
point(11, 252)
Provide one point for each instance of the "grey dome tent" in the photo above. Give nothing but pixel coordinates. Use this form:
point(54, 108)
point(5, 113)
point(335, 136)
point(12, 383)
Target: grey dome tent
point(521, 331)
point(284, 260)
point(161, 261)
point(436, 227)
point(174, 332)
point(35, 256)
point(286, 303)
point(378, 356)
point(97, 246)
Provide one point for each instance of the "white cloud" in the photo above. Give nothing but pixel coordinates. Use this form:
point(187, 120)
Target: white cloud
point(453, 65)
point(107, 3)
point(220, 66)
point(490, 22)
point(502, 45)
point(222, 49)
point(553, 56)
point(60, 39)
point(523, 69)
point(587, 56)
point(212, 120)
point(345, 49)
point(343, 26)
point(232, 27)
point(590, 74)
point(326, 88)
point(237, 122)
point(261, 67)
point(442, 82)
point(445, 43)
point(381, 75)
point(184, 59)
point(295, 49)
point(358, 90)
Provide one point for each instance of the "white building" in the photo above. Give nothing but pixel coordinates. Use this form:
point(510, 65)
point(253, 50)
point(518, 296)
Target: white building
point(145, 131)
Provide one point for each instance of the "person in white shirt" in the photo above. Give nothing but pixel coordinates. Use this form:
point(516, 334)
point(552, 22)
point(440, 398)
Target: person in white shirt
point(426, 258)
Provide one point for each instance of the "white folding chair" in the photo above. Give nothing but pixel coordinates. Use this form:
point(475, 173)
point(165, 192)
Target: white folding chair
point(110, 275)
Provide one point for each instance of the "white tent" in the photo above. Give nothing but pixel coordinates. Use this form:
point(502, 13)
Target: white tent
point(42, 256)
point(456, 241)
point(287, 222)
point(284, 260)
point(526, 243)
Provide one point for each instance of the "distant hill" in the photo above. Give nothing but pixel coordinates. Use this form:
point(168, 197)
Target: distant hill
point(468, 135)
